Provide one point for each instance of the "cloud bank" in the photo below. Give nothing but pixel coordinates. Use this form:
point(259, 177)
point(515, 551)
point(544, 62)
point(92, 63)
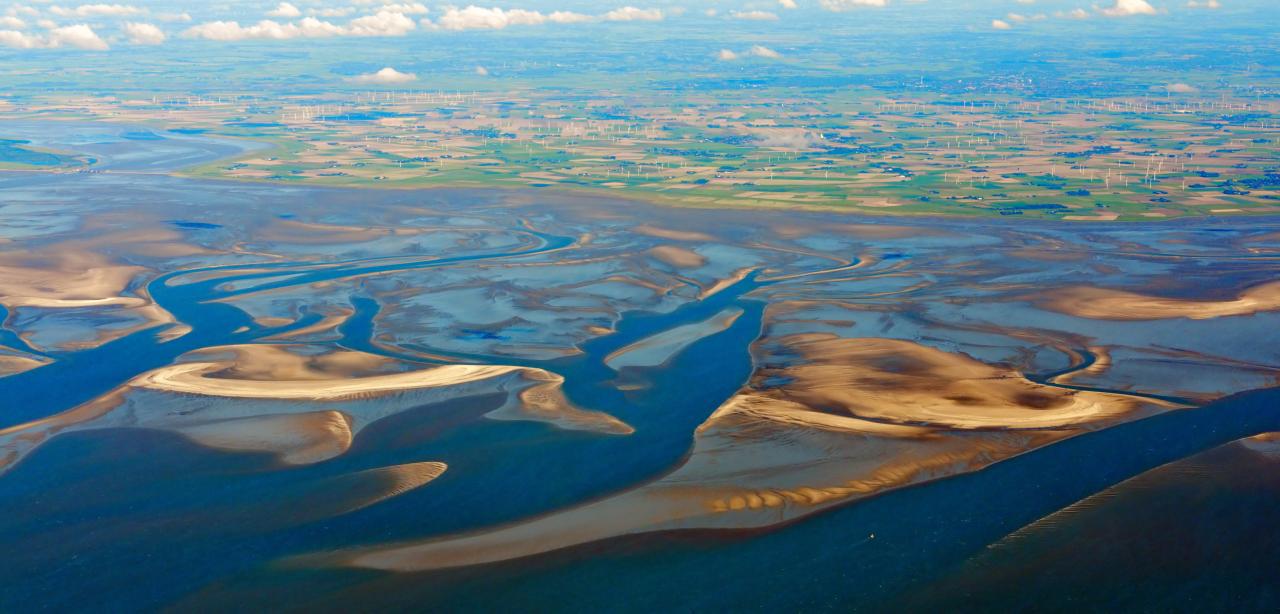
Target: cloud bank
point(79, 36)
point(386, 76)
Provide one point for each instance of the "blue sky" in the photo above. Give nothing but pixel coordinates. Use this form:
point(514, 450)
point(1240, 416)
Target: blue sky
point(101, 26)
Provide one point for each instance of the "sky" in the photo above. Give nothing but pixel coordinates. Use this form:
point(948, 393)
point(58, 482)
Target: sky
point(36, 26)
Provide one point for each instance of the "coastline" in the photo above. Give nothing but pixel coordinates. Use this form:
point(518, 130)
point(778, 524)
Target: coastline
point(195, 172)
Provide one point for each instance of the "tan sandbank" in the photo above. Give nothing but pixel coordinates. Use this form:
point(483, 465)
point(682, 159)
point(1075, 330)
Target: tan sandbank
point(301, 404)
point(10, 364)
point(678, 257)
point(69, 280)
point(1109, 304)
point(674, 235)
point(298, 439)
point(658, 349)
point(890, 380)
point(861, 417)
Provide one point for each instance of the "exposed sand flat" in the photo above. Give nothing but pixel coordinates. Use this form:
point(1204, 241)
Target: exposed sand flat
point(1109, 304)
point(545, 401)
point(389, 482)
point(303, 405)
point(862, 262)
point(67, 280)
point(793, 463)
point(328, 497)
point(193, 378)
point(753, 406)
point(764, 457)
point(674, 235)
point(191, 278)
point(1101, 363)
point(1266, 443)
point(268, 363)
point(67, 276)
point(619, 515)
point(328, 323)
point(865, 231)
point(298, 439)
point(906, 383)
point(311, 233)
point(71, 303)
point(721, 284)
point(17, 364)
point(125, 320)
point(1270, 237)
point(678, 256)
point(746, 471)
point(658, 349)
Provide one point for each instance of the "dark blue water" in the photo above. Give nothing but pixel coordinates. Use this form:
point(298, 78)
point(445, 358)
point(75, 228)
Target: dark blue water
point(36, 393)
point(826, 562)
point(134, 519)
point(500, 471)
point(11, 339)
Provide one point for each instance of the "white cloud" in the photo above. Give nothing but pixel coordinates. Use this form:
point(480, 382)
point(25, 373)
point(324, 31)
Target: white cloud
point(265, 29)
point(479, 18)
point(171, 17)
point(1076, 13)
point(10, 22)
point(1126, 8)
point(787, 4)
point(1207, 4)
point(22, 9)
point(631, 13)
point(569, 17)
point(232, 31)
point(96, 10)
point(408, 8)
point(846, 5)
point(482, 71)
point(285, 10)
point(19, 40)
point(761, 51)
point(474, 17)
point(334, 11)
point(386, 76)
point(79, 36)
point(143, 34)
point(1000, 24)
point(382, 23)
point(1181, 88)
point(754, 15)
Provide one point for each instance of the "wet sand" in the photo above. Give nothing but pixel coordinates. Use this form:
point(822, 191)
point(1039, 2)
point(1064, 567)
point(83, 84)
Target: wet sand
point(859, 417)
point(588, 370)
point(305, 406)
point(1107, 304)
